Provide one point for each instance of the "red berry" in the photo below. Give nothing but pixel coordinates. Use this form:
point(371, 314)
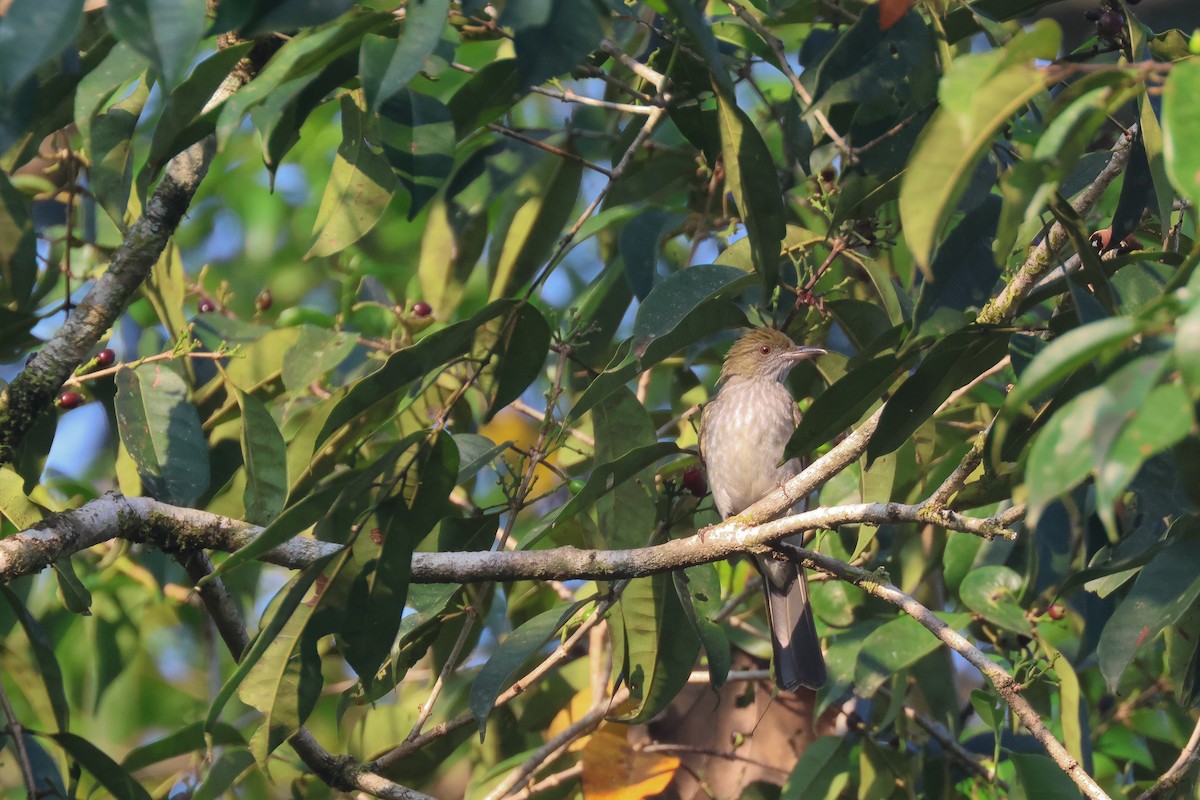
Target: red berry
point(206, 306)
point(264, 300)
point(68, 400)
point(421, 309)
point(694, 481)
point(105, 358)
point(1056, 611)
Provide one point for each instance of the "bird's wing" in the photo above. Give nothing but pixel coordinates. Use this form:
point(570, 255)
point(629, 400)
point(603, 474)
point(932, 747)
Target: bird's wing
point(700, 433)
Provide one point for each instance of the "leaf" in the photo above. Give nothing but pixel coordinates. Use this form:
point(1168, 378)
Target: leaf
point(405, 366)
point(161, 430)
point(993, 593)
point(15, 505)
point(313, 354)
point(894, 646)
point(111, 152)
point(1164, 590)
point(1181, 127)
point(1041, 778)
point(963, 274)
point(387, 65)
point(43, 657)
point(223, 774)
point(978, 98)
point(525, 343)
point(659, 652)
point(699, 591)
point(257, 17)
point(166, 32)
point(531, 223)
point(107, 772)
point(1057, 361)
point(750, 175)
point(418, 139)
point(32, 32)
point(18, 253)
point(843, 404)
point(264, 454)
point(679, 295)
point(1162, 419)
point(183, 120)
point(565, 33)
point(615, 770)
point(951, 363)
point(511, 654)
point(378, 595)
point(485, 97)
point(1061, 456)
point(603, 479)
point(188, 739)
point(822, 771)
point(474, 453)
point(358, 191)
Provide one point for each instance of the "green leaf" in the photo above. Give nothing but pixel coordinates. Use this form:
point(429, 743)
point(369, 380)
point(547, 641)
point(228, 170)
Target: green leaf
point(161, 430)
point(822, 772)
point(378, 595)
point(951, 363)
point(750, 176)
point(167, 32)
point(625, 514)
point(1061, 455)
point(1057, 361)
point(183, 120)
point(993, 593)
point(680, 295)
point(1041, 778)
point(224, 773)
point(894, 646)
point(15, 505)
point(659, 652)
point(1162, 419)
point(74, 595)
point(359, 189)
point(843, 403)
point(1070, 701)
point(963, 274)
point(1187, 349)
point(602, 480)
point(1181, 128)
point(511, 654)
point(313, 354)
point(405, 366)
point(18, 253)
point(531, 223)
point(111, 152)
point(188, 739)
point(1164, 590)
point(264, 454)
point(257, 17)
point(31, 32)
point(387, 65)
point(107, 772)
point(486, 97)
point(524, 343)
point(699, 589)
point(418, 139)
point(43, 657)
point(474, 453)
point(978, 97)
point(557, 42)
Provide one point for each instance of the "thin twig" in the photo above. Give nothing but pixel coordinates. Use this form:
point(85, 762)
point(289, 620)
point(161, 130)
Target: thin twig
point(17, 731)
point(549, 148)
point(1178, 771)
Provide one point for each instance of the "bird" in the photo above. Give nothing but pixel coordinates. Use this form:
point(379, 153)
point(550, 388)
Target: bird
point(743, 432)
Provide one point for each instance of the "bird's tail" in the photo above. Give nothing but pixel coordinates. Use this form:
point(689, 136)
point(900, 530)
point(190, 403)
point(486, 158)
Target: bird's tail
point(798, 660)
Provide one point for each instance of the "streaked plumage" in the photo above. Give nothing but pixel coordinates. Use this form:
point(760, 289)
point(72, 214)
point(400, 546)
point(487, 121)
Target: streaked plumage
point(743, 434)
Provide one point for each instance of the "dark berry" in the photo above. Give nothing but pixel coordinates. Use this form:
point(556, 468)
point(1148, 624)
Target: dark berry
point(206, 306)
point(264, 300)
point(1111, 23)
point(68, 400)
point(105, 358)
point(421, 309)
point(694, 481)
point(1092, 15)
point(1056, 611)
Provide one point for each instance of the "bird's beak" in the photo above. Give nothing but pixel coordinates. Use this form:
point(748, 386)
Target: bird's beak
point(803, 353)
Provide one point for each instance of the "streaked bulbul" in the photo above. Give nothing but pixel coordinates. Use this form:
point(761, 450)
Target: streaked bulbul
point(743, 433)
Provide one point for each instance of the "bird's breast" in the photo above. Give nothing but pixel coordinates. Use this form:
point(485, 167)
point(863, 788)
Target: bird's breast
point(746, 428)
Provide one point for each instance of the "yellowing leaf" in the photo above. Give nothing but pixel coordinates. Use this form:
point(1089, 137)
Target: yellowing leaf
point(614, 770)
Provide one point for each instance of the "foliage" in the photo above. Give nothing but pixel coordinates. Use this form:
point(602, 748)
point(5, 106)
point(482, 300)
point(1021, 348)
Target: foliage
point(503, 248)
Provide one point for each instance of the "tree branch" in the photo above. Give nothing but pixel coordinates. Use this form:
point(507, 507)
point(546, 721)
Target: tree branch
point(32, 392)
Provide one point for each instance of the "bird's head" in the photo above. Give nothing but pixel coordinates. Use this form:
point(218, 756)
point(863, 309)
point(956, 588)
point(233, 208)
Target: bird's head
point(765, 354)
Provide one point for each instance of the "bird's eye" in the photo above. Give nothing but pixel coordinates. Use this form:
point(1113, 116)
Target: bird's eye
point(765, 349)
